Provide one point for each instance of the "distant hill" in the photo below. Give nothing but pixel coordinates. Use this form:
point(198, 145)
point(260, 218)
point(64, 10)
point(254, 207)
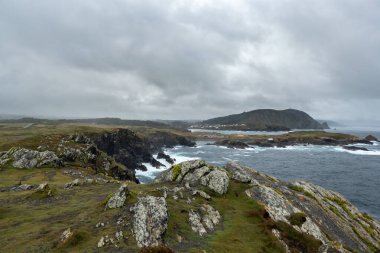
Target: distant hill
point(264, 120)
point(100, 121)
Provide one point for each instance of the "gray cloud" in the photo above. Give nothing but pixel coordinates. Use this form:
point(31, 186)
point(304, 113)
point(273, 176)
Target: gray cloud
point(189, 59)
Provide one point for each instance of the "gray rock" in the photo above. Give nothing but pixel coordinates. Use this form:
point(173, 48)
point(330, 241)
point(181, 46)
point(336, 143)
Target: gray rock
point(66, 235)
point(211, 217)
point(278, 207)
point(118, 198)
point(23, 187)
point(26, 158)
point(105, 241)
point(217, 180)
point(71, 184)
point(190, 166)
point(238, 173)
point(150, 220)
point(202, 194)
point(119, 235)
point(204, 220)
point(195, 176)
point(196, 223)
point(43, 187)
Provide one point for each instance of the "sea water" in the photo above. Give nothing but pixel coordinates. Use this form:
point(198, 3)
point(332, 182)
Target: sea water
point(355, 174)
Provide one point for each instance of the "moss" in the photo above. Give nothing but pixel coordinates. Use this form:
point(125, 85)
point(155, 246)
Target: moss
point(335, 211)
point(372, 247)
point(296, 188)
point(297, 219)
point(176, 170)
point(43, 194)
point(105, 201)
point(367, 217)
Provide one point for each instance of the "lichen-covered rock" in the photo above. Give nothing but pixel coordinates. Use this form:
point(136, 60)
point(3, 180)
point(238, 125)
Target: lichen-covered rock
point(196, 223)
point(211, 216)
point(197, 172)
point(26, 158)
point(217, 180)
point(118, 198)
point(73, 183)
point(66, 235)
point(278, 207)
point(204, 220)
point(193, 178)
point(202, 194)
point(238, 173)
point(150, 220)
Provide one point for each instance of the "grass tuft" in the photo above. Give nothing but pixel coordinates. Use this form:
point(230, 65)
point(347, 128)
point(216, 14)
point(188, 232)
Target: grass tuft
point(297, 219)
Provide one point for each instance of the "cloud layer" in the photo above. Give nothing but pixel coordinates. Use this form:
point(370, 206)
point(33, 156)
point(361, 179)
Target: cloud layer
point(189, 59)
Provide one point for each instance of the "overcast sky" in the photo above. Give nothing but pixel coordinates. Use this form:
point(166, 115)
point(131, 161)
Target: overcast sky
point(189, 59)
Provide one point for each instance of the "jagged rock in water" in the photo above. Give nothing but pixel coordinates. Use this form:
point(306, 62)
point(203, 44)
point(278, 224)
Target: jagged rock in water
point(26, 158)
point(232, 144)
point(355, 148)
point(371, 138)
point(238, 173)
point(118, 198)
point(150, 220)
point(162, 155)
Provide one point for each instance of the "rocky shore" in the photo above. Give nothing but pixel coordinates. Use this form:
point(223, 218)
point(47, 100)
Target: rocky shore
point(319, 138)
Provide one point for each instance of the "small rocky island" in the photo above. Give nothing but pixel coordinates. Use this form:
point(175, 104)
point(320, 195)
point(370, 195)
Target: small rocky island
point(263, 120)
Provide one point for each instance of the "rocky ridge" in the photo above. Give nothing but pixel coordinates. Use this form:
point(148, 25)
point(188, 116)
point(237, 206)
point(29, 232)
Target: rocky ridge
point(324, 215)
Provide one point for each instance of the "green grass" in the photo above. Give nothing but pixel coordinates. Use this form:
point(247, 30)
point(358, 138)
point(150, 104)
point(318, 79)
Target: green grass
point(244, 227)
point(297, 219)
point(296, 188)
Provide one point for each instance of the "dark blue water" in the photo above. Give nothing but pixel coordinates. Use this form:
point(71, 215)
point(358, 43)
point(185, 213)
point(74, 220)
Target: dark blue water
point(354, 174)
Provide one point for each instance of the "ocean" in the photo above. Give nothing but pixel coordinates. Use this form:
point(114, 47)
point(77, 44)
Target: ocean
point(355, 174)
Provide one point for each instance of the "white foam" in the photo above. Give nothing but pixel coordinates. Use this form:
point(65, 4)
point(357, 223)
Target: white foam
point(359, 152)
point(151, 171)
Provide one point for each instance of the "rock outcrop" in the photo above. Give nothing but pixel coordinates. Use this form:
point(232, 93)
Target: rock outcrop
point(204, 220)
point(150, 220)
point(118, 198)
point(196, 173)
point(238, 173)
point(328, 216)
point(313, 211)
point(26, 158)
